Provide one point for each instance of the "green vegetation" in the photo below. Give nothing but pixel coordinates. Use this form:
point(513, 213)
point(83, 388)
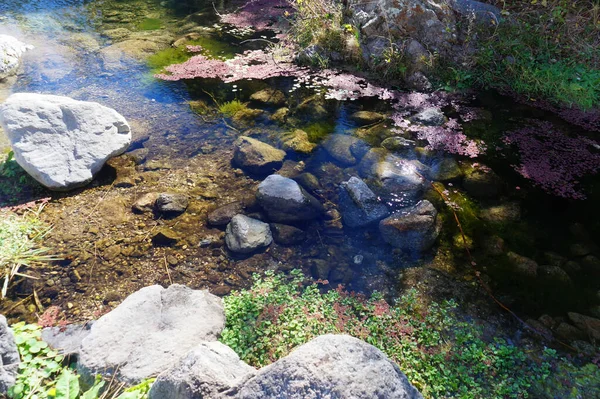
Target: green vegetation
point(546, 50)
point(43, 375)
point(318, 131)
point(150, 24)
point(14, 181)
point(441, 355)
point(20, 244)
point(230, 108)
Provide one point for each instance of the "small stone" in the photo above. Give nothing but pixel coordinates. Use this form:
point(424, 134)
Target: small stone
point(342, 148)
point(482, 182)
point(165, 237)
point(287, 235)
point(429, 117)
point(554, 274)
point(493, 245)
point(398, 144)
point(257, 157)
point(308, 181)
point(414, 228)
point(523, 265)
point(359, 205)
point(320, 268)
point(362, 118)
point(280, 116)
point(269, 96)
point(223, 214)
point(568, 332)
point(510, 212)
point(245, 234)
point(112, 296)
point(112, 252)
point(298, 141)
point(285, 201)
point(171, 203)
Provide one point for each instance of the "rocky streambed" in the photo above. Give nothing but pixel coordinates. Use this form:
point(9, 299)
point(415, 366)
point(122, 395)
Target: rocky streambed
point(288, 178)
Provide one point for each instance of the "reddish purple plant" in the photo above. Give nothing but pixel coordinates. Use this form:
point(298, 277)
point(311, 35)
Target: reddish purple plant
point(552, 159)
point(259, 14)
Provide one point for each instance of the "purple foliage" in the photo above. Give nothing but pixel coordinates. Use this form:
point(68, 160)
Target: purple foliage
point(553, 160)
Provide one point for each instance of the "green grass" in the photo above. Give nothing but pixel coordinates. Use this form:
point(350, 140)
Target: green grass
point(442, 355)
point(230, 108)
point(21, 244)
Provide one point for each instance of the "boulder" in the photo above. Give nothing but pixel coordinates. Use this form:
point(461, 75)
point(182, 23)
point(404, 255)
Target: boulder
point(61, 142)
point(445, 169)
point(398, 144)
point(345, 149)
point(269, 96)
point(359, 205)
point(256, 157)
point(244, 234)
point(329, 366)
point(399, 179)
point(429, 117)
point(9, 357)
point(148, 332)
point(171, 203)
point(205, 372)
point(285, 201)
point(298, 141)
point(66, 340)
point(482, 182)
point(287, 235)
point(508, 212)
point(589, 325)
point(223, 214)
point(11, 50)
point(413, 229)
point(484, 13)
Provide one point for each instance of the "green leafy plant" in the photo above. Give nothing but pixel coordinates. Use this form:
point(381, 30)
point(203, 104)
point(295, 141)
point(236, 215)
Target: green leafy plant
point(20, 244)
point(231, 108)
point(14, 181)
point(442, 355)
point(43, 375)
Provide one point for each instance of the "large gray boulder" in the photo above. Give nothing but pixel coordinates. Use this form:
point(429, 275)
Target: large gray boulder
point(359, 205)
point(413, 229)
point(244, 234)
point(256, 157)
point(11, 50)
point(205, 372)
point(66, 340)
point(285, 201)
point(9, 357)
point(61, 142)
point(329, 366)
point(151, 330)
point(347, 150)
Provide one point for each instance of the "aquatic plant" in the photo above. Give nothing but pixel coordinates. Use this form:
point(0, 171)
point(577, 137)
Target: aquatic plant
point(150, 24)
point(231, 108)
point(259, 14)
point(552, 159)
point(441, 355)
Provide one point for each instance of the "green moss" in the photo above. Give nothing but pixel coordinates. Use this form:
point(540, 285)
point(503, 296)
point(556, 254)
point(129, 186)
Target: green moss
point(318, 131)
point(229, 109)
point(150, 24)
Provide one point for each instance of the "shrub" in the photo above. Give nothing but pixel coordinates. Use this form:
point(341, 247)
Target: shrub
point(441, 355)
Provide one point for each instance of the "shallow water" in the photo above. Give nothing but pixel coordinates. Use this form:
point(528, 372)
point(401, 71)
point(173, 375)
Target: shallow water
point(76, 56)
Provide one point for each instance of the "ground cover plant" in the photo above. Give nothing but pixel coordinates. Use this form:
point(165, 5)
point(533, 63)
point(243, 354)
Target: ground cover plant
point(442, 355)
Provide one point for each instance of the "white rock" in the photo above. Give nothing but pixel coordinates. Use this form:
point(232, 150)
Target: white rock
point(11, 50)
point(61, 142)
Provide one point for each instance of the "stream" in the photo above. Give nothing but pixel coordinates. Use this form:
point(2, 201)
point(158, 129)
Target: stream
point(108, 51)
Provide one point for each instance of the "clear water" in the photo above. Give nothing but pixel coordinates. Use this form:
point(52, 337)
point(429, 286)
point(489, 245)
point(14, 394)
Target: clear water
point(70, 37)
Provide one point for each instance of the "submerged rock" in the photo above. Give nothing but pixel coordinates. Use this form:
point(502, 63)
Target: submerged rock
point(145, 203)
point(285, 201)
point(398, 144)
point(61, 142)
point(11, 50)
point(165, 237)
point(298, 141)
point(347, 150)
point(245, 234)
point(413, 229)
point(9, 357)
point(329, 366)
point(269, 96)
point(287, 235)
point(257, 157)
point(429, 117)
point(205, 372)
point(359, 205)
point(171, 203)
point(223, 214)
point(509, 212)
point(148, 332)
point(446, 169)
point(366, 117)
point(482, 182)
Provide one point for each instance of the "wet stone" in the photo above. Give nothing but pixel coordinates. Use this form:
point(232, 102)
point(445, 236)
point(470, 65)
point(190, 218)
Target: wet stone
point(245, 235)
point(589, 325)
point(269, 96)
point(482, 182)
point(223, 214)
point(359, 205)
point(445, 170)
point(145, 203)
point(554, 274)
point(398, 144)
point(287, 235)
point(413, 229)
point(171, 203)
point(285, 201)
point(429, 117)
point(509, 212)
point(256, 157)
point(165, 237)
point(280, 116)
point(523, 265)
point(344, 149)
point(308, 181)
point(362, 118)
point(298, 141)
